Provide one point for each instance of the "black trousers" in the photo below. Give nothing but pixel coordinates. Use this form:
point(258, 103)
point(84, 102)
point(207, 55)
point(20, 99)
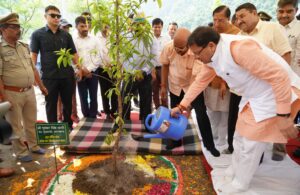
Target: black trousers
point(201, 115)
point(232, 116)
point(87, 89)
point(110, 105)
point(144, 89)
point(64, 88)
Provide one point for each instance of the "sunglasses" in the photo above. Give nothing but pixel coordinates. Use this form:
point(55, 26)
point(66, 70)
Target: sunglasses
point(58, 16)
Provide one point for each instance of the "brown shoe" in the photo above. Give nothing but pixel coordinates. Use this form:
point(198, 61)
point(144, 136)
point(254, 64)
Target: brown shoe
point(5, 172)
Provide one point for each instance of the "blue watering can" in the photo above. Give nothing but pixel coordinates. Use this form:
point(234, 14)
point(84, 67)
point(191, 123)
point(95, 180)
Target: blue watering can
point(164, 126)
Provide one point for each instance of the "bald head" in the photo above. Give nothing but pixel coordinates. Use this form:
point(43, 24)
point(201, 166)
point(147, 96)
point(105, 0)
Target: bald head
point(181, 37)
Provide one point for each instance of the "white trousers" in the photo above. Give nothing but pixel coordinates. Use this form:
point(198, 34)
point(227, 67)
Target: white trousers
point(219, 125)
point(245, 160)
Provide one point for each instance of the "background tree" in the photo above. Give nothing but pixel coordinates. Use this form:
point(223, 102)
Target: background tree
point(28, 13)
point(193, 13)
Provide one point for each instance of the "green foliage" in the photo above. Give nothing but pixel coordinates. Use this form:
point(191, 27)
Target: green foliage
point(77, 6)
point(109, 138)
point(127, 34)
point(193, 13)
point(30, 18)
point(65, 57)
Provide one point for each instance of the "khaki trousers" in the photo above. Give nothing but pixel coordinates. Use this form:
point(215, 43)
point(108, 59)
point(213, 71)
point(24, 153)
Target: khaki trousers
point(22, 118)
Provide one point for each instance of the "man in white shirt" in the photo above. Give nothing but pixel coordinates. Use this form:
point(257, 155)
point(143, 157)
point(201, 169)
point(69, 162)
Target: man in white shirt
point(139, 60)
point(159, 41)
point(88, 48)
point(172, 28)
point(110, 105)
point(286, 13)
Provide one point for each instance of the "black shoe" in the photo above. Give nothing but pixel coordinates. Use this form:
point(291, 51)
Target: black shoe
point(173, 144)
point(214, 152)
point(230, 149)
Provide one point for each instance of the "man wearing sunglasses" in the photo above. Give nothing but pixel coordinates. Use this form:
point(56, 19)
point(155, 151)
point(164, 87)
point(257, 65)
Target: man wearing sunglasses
point(58, 80)
point(17, 76)
point(178, 67)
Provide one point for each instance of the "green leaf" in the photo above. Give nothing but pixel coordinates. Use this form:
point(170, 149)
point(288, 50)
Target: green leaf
point(65, 62)
point(117, 120)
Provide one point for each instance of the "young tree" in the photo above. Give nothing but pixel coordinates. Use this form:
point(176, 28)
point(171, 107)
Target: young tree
point(125, 35)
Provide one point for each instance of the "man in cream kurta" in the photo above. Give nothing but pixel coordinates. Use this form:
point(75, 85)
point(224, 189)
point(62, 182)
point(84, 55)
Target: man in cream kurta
point(178, 66)
point(273, 36)
point(267, 85)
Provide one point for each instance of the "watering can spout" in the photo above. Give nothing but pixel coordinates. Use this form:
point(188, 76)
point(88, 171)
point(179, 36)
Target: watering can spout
point(150, 136)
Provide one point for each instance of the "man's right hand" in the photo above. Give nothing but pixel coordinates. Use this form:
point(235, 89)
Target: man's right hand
point(79, 74)
point(175, 111)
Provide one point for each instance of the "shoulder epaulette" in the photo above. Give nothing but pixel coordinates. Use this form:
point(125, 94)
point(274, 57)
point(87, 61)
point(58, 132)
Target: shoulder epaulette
point(23, 43)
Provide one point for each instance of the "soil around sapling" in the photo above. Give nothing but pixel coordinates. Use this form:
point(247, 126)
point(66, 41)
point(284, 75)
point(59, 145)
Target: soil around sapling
point(99, 178)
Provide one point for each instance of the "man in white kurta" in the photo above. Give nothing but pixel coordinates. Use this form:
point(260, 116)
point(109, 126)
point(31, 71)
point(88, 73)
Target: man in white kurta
point(267, 85)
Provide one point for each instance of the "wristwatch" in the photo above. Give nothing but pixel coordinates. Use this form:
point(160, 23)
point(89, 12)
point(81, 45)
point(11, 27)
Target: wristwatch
point(284, 115)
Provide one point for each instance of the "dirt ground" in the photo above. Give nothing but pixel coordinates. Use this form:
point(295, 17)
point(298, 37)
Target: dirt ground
point(99, 179)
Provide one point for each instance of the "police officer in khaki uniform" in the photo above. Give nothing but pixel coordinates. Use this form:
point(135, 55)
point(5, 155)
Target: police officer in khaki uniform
point(17, 76)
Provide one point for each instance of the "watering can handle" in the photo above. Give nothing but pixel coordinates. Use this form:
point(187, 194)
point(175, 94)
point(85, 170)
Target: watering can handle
point(147, 120)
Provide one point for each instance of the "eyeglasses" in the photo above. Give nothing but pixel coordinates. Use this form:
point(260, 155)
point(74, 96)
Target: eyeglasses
point(14, 26)
point(178, 49)
point(58, 16)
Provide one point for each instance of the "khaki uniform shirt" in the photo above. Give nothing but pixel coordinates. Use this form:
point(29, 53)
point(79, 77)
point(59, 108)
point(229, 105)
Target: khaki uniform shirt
point(272, 35)
point(16, 66)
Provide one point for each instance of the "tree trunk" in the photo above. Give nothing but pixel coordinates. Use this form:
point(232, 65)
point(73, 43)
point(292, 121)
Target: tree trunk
point(118, 86)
